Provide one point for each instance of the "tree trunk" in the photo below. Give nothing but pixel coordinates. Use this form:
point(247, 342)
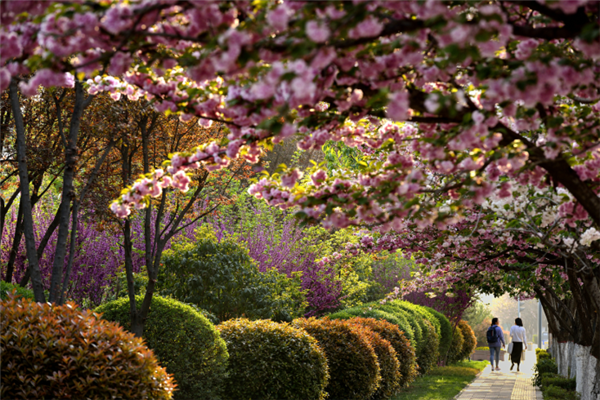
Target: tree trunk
point(42, 245)
point(67, 195)
point(32, 259)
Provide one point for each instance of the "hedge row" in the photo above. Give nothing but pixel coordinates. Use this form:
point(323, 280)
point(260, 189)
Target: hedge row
point(429, 332)
point(352, 358)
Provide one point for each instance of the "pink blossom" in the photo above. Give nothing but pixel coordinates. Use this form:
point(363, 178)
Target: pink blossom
point(289, 179)
point(398, 106)
point(119, 63)
point(525, 48)
point(4, 79)
point(181, 181)
point(370, 27)
point(317, 32)
point(318, 177)
point(46, 78)
point(279, 17)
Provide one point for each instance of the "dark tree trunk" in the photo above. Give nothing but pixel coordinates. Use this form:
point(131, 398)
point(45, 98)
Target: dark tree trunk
point(32, 259)
point(67, 195)
point(42, 246)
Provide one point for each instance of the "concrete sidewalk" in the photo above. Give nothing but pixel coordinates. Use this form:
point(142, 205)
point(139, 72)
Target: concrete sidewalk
point(504, 384)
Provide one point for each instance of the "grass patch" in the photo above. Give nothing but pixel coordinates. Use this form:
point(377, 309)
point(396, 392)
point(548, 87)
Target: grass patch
point(443, 383)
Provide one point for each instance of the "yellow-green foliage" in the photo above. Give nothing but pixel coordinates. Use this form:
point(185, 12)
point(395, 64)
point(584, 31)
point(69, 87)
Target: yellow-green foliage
point(270, 360)
point(61, 352)
point(185, 342)
point(405, 352)
point(353, 367)
point(454, 355)
point(470, 340)
point(388, 362)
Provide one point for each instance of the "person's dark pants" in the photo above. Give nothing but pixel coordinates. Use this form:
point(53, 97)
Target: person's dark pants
point(517, 350)
point(494, 353)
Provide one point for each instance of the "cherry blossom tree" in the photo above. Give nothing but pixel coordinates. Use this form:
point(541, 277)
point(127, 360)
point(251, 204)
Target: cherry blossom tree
point(454, 102)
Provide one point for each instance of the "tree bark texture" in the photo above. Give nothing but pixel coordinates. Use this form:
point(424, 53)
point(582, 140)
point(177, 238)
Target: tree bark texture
point(32, 259)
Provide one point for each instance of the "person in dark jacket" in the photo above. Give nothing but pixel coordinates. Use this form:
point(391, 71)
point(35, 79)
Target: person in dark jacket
point(495, 339)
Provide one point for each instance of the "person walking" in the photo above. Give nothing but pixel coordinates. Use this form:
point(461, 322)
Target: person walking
point(495, 338)
point(519, 341)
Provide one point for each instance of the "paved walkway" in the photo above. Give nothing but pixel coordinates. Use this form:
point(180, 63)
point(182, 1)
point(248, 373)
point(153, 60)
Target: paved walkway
point(504, 384)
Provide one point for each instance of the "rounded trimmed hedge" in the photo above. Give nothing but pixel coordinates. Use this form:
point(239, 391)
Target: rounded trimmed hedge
point(405, 352)
point(426, 341)
point(183, 340)
point(60, 352)
point(388, 362)
point(470, 340)
point(430, 353)
point(457, 345)
point(270, 360)
point(370, 312)
point(410, 318)
point(353, 367)
point(445, 331)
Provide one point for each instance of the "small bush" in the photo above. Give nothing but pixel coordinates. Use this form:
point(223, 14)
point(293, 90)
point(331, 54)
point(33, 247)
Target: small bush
point(388, 362)
point(369, 312)
point(541, 354)
point(558, 381)
point(411, 319)
point(353, 367)
point(7, 288)
point(457, 345)
point(62, 352)
point(543, 365)
point(405, 352)
point(220, 276)
point(430, 352)
point(558, 393)
point(445, 332)
point(470, 340)
point(270, 360)
point(184, 341)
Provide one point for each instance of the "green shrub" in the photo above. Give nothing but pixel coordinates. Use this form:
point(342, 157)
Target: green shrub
point(445, 332)
point(454, 355)
point(558, 393)
point(220, 277)
point(389, 365)
point(270, 360)
point(405, 352)
point(353, 368)
point(7, 288)
point(559, 381)
point(411, 319)
point(543, 365)
point(426, 341)
point(541, 354)
point(62, 352)
point(470, 340)
point(370, 312)
point(422, 311)
point(183, 340)
point(427, 360)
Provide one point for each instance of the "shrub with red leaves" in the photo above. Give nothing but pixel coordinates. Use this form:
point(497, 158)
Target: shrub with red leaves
point(353, 368)
point(62, 352)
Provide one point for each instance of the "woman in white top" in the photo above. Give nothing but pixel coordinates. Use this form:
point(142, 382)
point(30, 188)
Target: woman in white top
point(519, 340)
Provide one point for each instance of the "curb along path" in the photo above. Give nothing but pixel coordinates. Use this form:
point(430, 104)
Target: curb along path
point(504, 384)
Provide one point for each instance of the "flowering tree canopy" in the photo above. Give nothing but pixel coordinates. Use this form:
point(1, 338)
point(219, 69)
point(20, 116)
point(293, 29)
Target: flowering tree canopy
point(448, 96)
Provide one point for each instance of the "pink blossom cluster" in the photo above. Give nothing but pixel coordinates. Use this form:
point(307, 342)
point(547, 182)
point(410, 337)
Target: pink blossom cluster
point(473, 108)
